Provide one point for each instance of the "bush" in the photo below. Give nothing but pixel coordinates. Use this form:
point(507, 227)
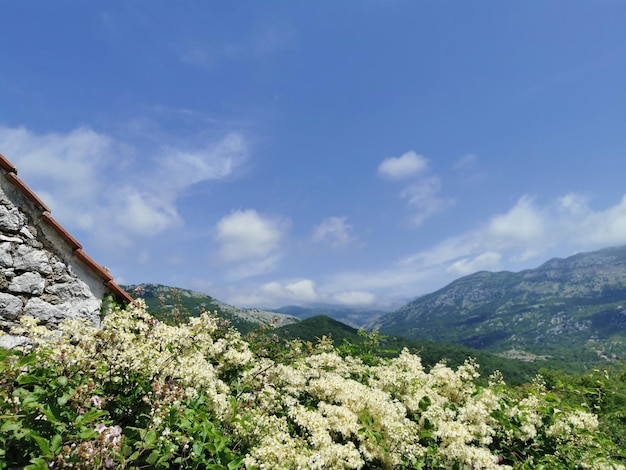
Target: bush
point(138, 393)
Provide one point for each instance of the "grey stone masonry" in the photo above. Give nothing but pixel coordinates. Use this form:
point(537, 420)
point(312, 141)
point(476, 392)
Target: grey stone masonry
point(43, 271)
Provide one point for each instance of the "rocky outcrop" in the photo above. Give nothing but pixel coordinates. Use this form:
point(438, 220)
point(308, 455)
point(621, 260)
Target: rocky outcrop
point(43, 271)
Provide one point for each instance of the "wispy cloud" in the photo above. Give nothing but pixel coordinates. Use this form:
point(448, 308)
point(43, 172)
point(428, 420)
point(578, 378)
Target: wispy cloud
point(527, 231)
point(275, 294)
point(296, 292)
point(355, 298)
point(73, 171)
point(422, 193)
point(261, 42)
point(523, 236)
point(334, 231)
point(465, 162)
point(423, 197)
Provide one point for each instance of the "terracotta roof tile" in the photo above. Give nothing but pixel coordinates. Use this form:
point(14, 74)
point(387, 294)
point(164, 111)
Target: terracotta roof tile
point(106, 277)
point(86, 260)
point(118, 291)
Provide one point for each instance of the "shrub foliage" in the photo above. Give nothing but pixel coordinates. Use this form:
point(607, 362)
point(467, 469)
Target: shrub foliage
point(139, 393)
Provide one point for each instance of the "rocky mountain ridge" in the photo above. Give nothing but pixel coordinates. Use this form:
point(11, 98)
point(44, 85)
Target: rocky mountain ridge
point(576, 304)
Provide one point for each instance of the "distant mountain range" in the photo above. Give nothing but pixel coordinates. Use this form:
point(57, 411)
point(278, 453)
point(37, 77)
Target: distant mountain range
point(354, 317)
point(571, 309)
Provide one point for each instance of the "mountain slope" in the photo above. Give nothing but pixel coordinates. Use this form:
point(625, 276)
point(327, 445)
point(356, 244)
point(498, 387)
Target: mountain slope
point(172, 303)
point(573, 308)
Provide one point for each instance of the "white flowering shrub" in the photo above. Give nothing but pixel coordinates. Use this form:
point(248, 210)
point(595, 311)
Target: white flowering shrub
point(138, 393)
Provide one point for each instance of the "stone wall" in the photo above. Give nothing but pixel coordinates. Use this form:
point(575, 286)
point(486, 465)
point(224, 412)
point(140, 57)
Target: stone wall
point(43, 271)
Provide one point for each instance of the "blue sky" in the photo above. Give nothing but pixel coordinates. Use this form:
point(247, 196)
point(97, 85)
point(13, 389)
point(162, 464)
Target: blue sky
point(354, 152)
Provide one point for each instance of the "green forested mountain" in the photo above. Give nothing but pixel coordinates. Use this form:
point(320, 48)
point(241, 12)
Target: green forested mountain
point(313, 328)
point(571, 309)
point(175, 304)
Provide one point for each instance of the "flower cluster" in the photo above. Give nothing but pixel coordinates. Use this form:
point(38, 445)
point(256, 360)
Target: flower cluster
point(138, 392)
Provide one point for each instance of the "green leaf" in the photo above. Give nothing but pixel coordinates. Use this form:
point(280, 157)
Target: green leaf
point(62, 400)
point(425, 403)
point(153, 457)
point(11, 426)
point(150, 438)
point(28, 379)
point(196, 449)
point(233, 464)
point(88, 434)
point(55, 444)
point(27, 360)
point(37, 464)
point(43, 444)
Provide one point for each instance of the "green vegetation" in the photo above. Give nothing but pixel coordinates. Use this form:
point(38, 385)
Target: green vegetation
point(352, 341)
point(142, 393)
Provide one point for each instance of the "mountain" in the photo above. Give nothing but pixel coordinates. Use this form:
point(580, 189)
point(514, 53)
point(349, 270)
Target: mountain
point(175, 304)
point(355, 317)
point(571, 309)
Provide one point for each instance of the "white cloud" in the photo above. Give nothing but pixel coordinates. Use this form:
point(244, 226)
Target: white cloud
point(523, 223)
point(245, 235)
point(303, 290)
point(407, 165)
point(92, 181)
point(249, 243)
point(574, 203)
point(354, 298)
point(523, 229)
point(143, 214)
point(299, 292)
point(607, 227)
point(71, 161)
point(273, 294)
point(333, 230)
